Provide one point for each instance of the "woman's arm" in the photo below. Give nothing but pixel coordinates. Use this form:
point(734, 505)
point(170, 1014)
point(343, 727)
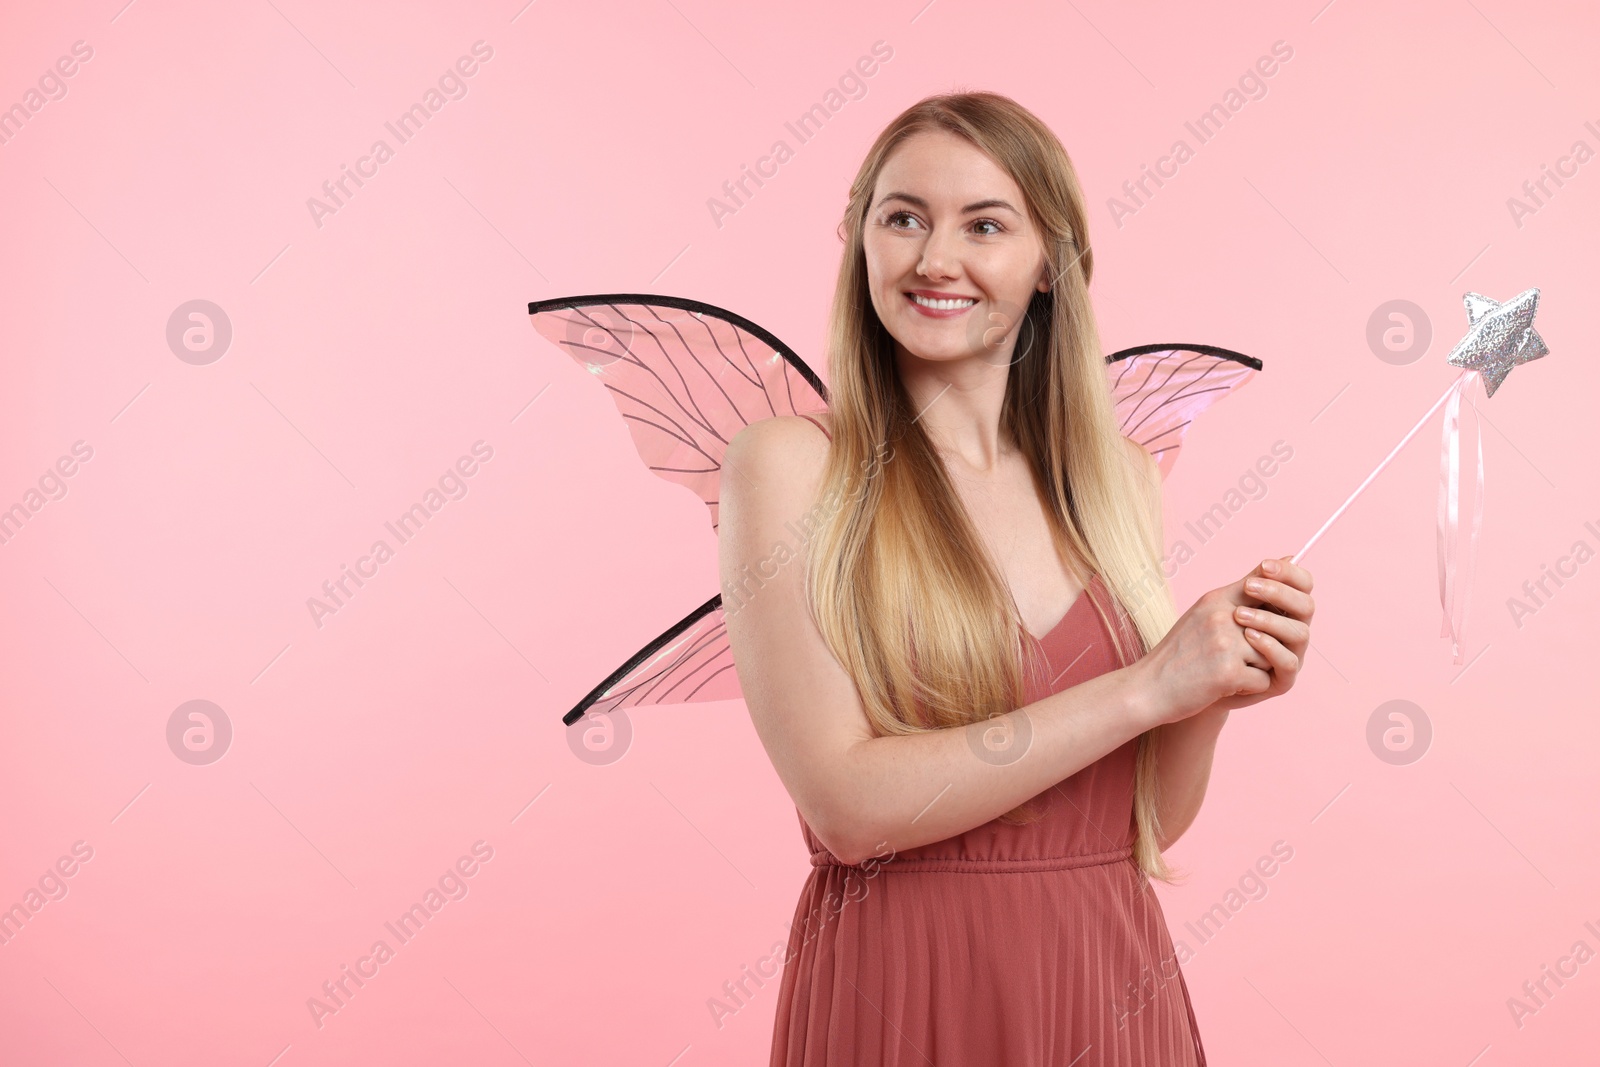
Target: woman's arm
point(1185, 748)
point(860, 793)
point(1183, 770)
point(909, 789)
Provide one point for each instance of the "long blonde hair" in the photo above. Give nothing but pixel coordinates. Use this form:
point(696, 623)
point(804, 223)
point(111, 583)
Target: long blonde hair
point(901, 587)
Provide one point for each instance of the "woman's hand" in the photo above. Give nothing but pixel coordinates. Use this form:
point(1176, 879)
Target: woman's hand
point(1208, 659)
point(1277, 622)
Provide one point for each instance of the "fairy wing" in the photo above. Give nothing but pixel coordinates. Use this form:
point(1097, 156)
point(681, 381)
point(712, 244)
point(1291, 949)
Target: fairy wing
point(687, 376)
point(1158, 391)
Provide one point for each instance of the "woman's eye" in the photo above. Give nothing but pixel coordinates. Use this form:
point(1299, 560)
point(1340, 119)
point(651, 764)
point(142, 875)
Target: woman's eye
point(892, 221)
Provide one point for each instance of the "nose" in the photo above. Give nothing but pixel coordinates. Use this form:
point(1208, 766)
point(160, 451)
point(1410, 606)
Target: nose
point(938, 256)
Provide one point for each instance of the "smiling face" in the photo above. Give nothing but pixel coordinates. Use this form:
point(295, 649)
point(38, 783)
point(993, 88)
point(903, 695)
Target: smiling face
point(947, 224)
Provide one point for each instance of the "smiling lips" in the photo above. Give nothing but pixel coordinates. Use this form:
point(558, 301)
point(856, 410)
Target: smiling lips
point(940, 305)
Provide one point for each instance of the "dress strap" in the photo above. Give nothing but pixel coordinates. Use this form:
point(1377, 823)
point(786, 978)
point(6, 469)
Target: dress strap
point(819, 426)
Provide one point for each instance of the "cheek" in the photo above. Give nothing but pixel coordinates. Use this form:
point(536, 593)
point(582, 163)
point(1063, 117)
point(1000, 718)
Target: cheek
point(1009, 280)
point(885, 266)
point(879, 259)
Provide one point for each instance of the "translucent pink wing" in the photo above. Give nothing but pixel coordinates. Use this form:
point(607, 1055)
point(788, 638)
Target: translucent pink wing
point(690, 663)
point(1158, 391)
point(686, 376)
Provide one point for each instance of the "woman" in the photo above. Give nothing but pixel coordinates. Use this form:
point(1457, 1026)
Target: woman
point(990, 728)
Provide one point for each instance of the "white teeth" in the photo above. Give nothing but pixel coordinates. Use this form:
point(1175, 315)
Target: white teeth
point(942, 305)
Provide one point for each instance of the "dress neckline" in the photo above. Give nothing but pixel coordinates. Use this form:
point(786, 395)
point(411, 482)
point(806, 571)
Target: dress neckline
point(1076, 603)
point(1082, 596)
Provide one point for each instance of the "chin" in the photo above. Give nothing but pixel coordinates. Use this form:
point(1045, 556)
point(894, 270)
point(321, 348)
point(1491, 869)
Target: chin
point(940, 354)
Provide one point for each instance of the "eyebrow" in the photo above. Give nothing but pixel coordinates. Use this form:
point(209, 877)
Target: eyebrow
point(981, 205)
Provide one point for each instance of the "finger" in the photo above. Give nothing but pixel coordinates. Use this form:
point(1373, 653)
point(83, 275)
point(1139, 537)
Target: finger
point(1289, 632)
point(1281, 658)
point(1284, 569)
point(1284, 598)
point(1251, 656)
point(1260, 682)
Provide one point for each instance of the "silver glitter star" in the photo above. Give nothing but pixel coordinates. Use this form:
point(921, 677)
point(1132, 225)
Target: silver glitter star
point(1502, 336)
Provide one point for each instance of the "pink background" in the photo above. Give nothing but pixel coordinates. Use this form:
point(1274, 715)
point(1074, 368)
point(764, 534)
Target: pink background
point(369, 353)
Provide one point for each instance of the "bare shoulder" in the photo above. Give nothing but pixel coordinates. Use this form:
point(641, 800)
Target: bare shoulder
point(824, 417)
point(784, 427)
point(785, 451)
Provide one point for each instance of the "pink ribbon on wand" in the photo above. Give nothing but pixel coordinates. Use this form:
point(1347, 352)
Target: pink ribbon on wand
point(1454, 606)
point(1454, 601)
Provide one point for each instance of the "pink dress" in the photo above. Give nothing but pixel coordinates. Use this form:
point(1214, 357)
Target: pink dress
point(1039, 945)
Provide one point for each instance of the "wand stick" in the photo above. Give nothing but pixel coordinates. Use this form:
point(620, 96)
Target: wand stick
point(1412, 433)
